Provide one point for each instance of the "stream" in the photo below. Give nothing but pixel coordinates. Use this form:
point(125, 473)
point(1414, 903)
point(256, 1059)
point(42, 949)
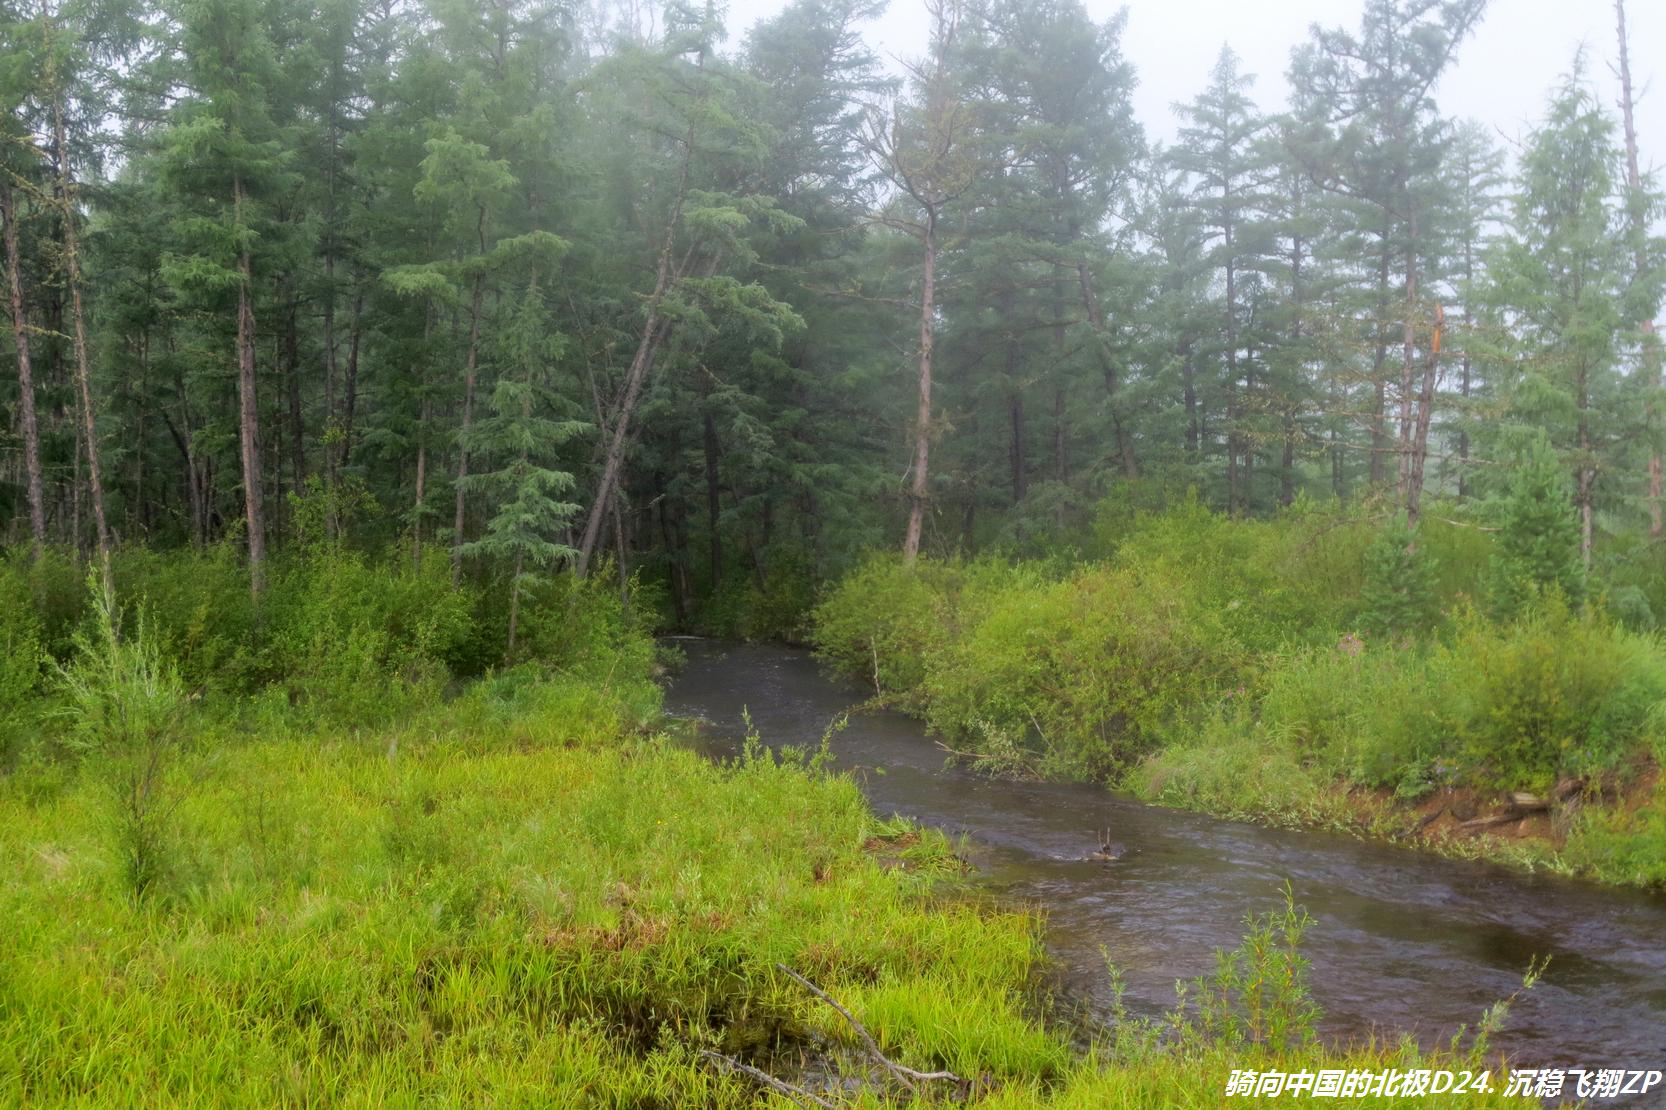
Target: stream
point(1403, 942)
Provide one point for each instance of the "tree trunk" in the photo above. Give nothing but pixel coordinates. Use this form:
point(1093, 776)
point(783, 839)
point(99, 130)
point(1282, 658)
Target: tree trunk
point(1015, 450)
point(1096, 319)
point(1651, 344)
point(83, 375)
point(1188, 387)
point(1233, 494)
point(1408, 356)
point(514, 609)
point(25, 376)
point(248, 411)
point(292, 384)
point(713, 499)
point(920, 488)
point(654, 330)
point(1587, 472)
point(1420, 432)
point(350, 399)
point(1379, 433)
point(463, 434)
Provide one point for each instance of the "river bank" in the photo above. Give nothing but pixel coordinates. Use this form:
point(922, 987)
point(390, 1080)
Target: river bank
point(1404, 943)
point(1209, 666)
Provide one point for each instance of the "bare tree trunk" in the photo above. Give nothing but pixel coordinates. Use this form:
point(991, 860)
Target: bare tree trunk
point(83, 376)
point(654, 330)
point(1420, 432)
point(421, 485)
point(920, 488)
point(463, 434)
point(1015, 449)
point(1096, 319)
point(1233, 496)
point(350, 399)
point(713, 498)
point(1651, 345)
point(248, 411)
point(514, 608)
point(1464, 366)
point(1587, 473)
point(292, 386)
point(25, 375)
point(1379, 434)
point(1194, 422)
point(1408, 357)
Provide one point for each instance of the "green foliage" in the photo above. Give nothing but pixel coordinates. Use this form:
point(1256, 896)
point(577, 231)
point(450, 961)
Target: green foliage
point(1084, 672)
point(124, 705)
point(1258, 993)
point(1538, 535)
point(1398, 597)
point(356, 639)
point(884, 621)
point(1554, 695)
point(1622, 844)
point(22, 659)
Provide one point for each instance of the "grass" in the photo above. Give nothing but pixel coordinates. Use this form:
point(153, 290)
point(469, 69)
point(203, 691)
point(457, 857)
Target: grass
point(520, 897)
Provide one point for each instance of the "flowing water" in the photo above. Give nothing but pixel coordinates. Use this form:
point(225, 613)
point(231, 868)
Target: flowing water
point(1403, 942)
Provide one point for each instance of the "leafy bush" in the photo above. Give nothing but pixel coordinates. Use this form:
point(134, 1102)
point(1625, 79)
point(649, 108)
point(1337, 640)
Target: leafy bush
point(356, 641)
point(1085, 671)
point(884, 619)
point(1552, 695)
point(199, 610)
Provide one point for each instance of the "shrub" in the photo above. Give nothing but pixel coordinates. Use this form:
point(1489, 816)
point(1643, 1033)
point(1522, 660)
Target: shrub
point(125, 706)
point(199, 610)
point(1085, 671)
point(356, 641)
point(884, 619)
point(1552, 695)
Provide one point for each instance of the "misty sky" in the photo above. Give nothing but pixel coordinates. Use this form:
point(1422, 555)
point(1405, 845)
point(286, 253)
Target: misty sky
point(1503, 74)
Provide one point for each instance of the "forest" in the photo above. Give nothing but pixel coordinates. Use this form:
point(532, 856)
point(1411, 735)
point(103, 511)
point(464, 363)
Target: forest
point(392, 377)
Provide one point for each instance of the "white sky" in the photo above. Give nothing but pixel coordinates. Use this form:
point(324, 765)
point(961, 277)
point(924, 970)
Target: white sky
point(1503, 75)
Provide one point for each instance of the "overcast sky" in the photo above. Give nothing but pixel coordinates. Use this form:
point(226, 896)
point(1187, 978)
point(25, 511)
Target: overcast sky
point(1502, 77)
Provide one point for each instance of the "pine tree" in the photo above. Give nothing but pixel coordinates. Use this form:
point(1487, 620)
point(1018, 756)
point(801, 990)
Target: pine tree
point(1399, 595)
point(525, 490)
point(1564, 279)
point(1538, 541)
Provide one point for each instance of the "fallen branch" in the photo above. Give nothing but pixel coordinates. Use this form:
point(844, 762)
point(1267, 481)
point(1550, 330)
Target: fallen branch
point(907, 1076)
point(1489, 822)
point(957, 753)
point(798, 1094)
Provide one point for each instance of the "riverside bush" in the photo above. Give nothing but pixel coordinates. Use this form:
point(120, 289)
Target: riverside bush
point(1084, 671)
point(1218, 663)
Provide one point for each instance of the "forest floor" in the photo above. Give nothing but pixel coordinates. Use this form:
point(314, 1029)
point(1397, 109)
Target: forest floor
point(525, 897)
